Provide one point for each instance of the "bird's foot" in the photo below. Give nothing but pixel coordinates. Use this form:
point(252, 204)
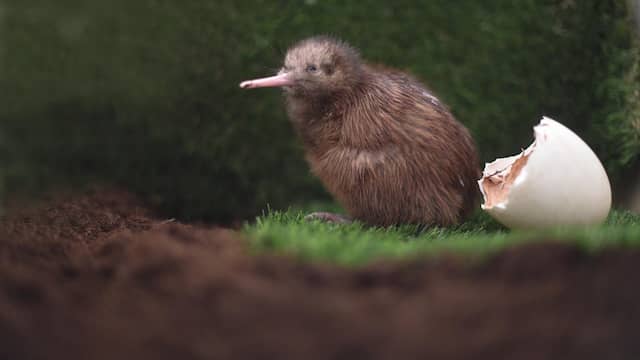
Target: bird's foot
point(328, 217)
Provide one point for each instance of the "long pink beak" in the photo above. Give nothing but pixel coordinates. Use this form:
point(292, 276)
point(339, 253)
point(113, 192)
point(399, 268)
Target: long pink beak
point(271, 81)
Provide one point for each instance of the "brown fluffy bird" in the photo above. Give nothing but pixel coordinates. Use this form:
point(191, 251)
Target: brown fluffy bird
point(380, 141)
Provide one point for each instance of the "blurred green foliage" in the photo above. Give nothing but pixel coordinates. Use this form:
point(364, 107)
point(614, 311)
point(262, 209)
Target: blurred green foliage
point(144, 93)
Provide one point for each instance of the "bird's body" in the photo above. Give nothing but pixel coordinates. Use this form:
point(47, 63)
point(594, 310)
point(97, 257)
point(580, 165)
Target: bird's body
point(380, 141)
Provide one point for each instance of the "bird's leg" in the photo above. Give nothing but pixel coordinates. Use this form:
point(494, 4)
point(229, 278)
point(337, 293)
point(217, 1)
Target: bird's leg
point(328, 217)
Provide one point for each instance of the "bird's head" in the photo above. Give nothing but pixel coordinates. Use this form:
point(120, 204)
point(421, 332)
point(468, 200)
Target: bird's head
point(315, 66)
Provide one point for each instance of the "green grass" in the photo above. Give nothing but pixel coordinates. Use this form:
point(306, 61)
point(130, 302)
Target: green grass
point(355, 244)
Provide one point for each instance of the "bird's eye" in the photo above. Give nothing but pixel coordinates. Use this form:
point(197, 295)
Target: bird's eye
point(312, 68)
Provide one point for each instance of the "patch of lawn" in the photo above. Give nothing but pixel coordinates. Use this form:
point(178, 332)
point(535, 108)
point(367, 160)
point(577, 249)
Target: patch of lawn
point(354, 244)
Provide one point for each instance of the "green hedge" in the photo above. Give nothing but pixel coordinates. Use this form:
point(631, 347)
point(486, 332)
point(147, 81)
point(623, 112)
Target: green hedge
point(144, 93)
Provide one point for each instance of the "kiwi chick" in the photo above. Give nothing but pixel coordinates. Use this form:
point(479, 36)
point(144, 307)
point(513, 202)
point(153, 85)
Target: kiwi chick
point(379, 140)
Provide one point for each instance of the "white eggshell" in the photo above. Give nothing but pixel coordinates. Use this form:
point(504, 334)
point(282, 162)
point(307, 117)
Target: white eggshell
point(557, 181)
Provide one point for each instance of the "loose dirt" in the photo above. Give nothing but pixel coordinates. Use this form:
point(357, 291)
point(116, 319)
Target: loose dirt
point(97, 276)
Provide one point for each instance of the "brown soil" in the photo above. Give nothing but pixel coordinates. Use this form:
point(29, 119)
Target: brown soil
point(98, 277)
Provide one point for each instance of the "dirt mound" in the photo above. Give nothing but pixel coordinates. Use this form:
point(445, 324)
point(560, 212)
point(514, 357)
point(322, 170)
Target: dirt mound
point(98, 277)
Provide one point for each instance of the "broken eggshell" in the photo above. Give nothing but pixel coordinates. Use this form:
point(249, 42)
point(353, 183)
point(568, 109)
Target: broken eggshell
point(557, 181)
